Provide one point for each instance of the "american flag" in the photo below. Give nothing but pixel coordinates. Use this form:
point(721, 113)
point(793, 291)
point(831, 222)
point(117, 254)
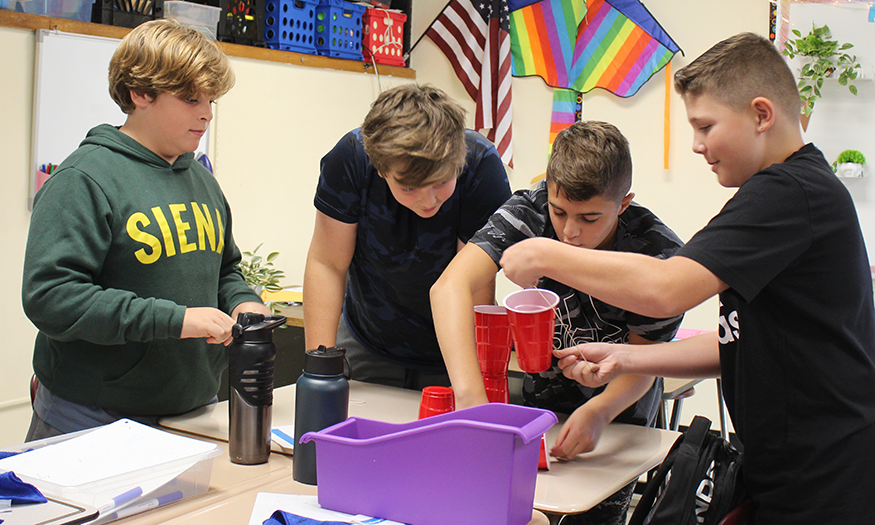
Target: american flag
point(473, 34)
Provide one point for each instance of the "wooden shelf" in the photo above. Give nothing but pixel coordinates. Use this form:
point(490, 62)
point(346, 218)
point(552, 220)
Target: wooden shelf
point(34, 22)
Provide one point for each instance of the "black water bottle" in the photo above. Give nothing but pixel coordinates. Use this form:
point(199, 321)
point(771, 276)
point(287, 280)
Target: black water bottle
point(250, 378)
point(321, 400)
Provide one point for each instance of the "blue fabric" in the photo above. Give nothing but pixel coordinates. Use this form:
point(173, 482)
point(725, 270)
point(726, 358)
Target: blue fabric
point(18, 491)
point(4, 455)
point(286, 518)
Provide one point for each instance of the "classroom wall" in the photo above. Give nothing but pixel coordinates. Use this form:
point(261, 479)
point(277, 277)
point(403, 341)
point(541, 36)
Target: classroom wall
point(841, 120)
point(273, 127)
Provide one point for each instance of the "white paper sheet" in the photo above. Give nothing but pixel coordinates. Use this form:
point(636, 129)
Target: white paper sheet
point(112, 450)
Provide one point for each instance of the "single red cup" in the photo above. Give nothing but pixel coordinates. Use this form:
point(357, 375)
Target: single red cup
point(436, 400)
point(532, 315)
point(496, 388)
point(493, 339)
point(543, 457)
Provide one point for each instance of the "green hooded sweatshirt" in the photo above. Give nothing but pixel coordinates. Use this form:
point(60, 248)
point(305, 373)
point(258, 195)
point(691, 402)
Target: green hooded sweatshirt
point(120, 243)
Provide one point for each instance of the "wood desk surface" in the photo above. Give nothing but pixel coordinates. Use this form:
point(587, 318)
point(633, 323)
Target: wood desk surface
point(232, 493)
point(294, 314)
point(234, 509)
point(623, 453)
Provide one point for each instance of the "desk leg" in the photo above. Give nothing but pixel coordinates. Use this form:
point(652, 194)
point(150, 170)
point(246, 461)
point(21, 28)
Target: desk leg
point(678, 403)
point(554, 518)
point(722, 408)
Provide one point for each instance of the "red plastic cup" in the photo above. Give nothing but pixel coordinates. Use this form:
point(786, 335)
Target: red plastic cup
point(493, 339)
point(496, 388)
point(543, 458)
point(436, 400)
point(532, 314)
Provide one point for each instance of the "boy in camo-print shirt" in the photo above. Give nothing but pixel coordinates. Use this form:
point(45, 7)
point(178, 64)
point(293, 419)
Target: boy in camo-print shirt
point(584, 201)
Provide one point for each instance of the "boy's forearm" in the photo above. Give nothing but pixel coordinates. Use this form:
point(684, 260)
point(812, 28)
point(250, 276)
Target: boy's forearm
point(695, 357)
point(620, 394)
point(631, 281)
point(323, 304)
point(625, 280)
point(453, 312)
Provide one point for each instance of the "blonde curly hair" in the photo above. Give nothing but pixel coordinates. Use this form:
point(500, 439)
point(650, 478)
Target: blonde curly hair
point(164, 56)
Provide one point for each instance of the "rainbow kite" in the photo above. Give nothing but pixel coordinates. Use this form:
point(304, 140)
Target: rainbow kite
point(574, 45)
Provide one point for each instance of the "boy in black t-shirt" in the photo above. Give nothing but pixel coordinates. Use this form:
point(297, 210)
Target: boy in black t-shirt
point(795, 343)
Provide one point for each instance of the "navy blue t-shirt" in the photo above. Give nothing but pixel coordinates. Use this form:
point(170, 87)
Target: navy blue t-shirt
point(398, 254)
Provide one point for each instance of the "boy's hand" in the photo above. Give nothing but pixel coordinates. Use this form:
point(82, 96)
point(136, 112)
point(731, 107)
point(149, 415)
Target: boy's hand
point(207, 322)
point(580, 433)
point(591, 364)
point(520, 261)
point(250, 306)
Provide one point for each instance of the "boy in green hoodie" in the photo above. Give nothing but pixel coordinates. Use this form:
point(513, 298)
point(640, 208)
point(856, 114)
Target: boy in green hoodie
point(130, 271)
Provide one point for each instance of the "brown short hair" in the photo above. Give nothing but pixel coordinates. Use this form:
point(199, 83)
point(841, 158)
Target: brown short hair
point(418, 132)
point(739, 69)
point(590, 158)
point(163, 56)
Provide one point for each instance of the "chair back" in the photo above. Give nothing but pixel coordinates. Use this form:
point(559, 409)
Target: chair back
point(740, 515)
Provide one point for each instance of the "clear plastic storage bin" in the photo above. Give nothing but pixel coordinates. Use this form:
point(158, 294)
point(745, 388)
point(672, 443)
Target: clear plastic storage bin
point(203, 17)
point(182, 475)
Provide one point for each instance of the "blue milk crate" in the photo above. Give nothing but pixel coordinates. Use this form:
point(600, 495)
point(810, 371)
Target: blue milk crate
point(339, 29)
point(289, 25)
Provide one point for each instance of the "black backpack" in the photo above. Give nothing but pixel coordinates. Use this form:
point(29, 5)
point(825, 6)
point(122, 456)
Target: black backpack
point(698, 483)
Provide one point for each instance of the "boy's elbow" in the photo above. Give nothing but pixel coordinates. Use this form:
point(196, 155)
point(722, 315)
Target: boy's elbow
point(449, 289)
point(439, 290)
point(661, 300)
point(33, 304)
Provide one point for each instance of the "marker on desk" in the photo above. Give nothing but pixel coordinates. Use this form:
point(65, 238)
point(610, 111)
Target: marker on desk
point(121, 499)
point(146, 505)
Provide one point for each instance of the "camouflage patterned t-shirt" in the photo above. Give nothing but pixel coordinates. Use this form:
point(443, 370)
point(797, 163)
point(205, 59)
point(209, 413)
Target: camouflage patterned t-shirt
point(582, 318)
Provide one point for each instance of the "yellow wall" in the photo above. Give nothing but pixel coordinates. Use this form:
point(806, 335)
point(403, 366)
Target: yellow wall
point(274, 126)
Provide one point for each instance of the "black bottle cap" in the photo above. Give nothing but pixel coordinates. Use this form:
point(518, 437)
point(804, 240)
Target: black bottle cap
point(255, 328)
point(324, 361)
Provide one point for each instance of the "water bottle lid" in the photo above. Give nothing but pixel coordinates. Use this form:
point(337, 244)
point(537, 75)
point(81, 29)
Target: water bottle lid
point(253, 327)
point(324, 361)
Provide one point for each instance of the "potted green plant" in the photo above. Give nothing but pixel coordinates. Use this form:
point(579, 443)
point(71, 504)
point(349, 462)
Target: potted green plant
point(260, 273)
point(823, 57)
point(849, 163)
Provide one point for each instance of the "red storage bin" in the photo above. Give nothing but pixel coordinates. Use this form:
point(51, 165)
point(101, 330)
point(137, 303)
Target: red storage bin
point(383, 37)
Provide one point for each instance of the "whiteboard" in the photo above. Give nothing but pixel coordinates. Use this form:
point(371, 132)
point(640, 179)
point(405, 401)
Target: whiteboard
point(71, 96)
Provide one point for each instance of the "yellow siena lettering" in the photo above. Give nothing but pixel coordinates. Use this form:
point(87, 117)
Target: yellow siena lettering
point(210, 231)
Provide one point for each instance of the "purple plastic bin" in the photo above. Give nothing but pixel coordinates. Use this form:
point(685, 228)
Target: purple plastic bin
point(475, 466)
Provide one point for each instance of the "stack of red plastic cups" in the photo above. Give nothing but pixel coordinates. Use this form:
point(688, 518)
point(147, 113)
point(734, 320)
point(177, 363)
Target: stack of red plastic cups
point(494, 342)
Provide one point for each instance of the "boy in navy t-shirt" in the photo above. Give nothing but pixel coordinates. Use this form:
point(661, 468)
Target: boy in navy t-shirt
point(396, 200)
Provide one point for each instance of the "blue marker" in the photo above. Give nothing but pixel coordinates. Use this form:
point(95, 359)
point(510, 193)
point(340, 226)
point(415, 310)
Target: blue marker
point(146, 505)
point(121, 499)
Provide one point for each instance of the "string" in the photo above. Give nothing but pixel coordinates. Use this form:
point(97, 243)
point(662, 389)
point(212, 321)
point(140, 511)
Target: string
point(556, 311)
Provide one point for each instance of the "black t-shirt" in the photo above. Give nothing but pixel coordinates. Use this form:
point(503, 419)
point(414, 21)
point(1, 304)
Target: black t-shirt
point(797, 341)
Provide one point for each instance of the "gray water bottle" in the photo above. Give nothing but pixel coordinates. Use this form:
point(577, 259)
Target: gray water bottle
point(321, 400)
point(250, 378)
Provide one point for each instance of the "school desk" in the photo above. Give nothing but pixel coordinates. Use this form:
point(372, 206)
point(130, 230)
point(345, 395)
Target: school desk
point(294, 314)
point(623, 453)
point(674, 391)
point(234, 508)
